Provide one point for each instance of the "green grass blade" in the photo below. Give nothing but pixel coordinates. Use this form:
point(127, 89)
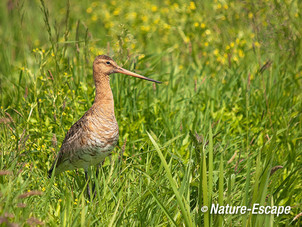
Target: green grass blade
point(113, 218)
point(221, 189)
point(163, 208)
point(180, 200)
point(205, 190)
point(210, 184)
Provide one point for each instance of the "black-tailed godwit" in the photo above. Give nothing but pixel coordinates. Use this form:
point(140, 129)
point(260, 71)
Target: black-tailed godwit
point(95, 135)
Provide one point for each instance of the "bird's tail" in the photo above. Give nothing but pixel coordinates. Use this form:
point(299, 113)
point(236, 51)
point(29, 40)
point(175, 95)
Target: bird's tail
point(53, 168)
point(50, 172)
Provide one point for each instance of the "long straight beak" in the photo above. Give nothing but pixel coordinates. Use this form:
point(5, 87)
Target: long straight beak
point(129, 73)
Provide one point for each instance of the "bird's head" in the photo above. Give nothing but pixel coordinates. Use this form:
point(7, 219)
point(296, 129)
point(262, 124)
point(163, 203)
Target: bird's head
point(106, 65)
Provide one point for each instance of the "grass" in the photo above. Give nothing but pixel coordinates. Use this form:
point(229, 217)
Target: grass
point(224, 127)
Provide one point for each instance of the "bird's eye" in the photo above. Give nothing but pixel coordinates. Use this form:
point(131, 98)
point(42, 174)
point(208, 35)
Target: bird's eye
point(108, 62)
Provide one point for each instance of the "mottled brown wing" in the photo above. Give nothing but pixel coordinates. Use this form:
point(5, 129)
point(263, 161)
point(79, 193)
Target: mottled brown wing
point(72, 142)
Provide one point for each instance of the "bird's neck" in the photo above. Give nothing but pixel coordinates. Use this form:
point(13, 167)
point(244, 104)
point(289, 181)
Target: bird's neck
point(103, 93)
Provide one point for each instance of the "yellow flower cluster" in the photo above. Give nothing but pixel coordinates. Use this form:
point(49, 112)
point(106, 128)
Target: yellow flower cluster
point(161, 26)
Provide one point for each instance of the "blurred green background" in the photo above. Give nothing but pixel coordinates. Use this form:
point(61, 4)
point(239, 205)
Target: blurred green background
point(224, 127)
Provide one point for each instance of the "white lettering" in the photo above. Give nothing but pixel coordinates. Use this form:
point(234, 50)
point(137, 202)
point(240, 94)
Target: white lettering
point(243, 210)
point(227, 209)
point(261, 210)
point(214, 208)
point(255, 208)
point(221, 210)
point(287, 210)
point(280, 210)
point(267, 209)
point(232, 210)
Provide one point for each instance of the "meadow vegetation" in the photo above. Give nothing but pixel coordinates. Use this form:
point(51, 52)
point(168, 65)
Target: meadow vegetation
point(223, 127)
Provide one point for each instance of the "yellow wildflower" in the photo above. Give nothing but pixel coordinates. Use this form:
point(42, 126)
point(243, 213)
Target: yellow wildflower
point(154, 8)
point(132, 15)
point(94, 17)
point(141, 56)
point(165, 10)
point(257, 44)
point(94, 4)
point(89, 10)
point(107, 15)
point(223, 61)
point(240, 53)
point(109, 24)
point(192, 6)
point(187, 39)
point(145, 28)
point(116, 12)
point(167, 26)
point(175, 5)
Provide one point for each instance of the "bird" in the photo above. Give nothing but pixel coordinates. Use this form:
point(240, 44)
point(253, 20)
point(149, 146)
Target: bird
point(93, 137)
